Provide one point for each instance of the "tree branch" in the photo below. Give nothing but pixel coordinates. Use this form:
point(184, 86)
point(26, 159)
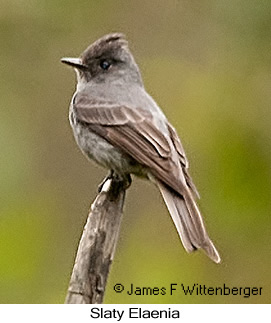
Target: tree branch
point(97, 245)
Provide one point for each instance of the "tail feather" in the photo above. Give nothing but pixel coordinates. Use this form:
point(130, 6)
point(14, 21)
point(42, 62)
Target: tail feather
point(188, 221)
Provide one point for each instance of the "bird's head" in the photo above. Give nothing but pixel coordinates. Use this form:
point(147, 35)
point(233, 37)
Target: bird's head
point(106, 60)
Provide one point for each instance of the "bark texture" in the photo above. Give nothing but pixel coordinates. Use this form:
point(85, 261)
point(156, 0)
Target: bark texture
point(97, 245)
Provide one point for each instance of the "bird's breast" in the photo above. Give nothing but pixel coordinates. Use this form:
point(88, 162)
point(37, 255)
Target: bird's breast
point(101, 151)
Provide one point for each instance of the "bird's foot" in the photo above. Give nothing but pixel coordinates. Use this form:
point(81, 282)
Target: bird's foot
point(127, 181)
point(108, 177)
point(124, 181)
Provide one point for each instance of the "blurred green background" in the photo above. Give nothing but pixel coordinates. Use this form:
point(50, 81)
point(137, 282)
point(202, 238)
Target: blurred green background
point(208, 65)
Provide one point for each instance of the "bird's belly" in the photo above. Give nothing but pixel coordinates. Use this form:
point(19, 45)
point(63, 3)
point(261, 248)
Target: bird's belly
point(102, 152)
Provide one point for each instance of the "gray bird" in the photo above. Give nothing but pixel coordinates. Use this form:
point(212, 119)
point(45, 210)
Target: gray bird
point(117, 124)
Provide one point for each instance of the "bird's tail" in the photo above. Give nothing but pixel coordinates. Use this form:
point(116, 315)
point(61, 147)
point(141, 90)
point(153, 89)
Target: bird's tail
point(188, 221)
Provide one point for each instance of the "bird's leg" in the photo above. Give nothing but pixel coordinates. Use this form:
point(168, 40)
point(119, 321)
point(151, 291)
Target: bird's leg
point(127, 180)
point(124, 180)
point(109, 176)
point(119, 183)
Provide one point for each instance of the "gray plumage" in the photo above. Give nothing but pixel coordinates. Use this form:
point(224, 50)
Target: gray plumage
point(117, 124)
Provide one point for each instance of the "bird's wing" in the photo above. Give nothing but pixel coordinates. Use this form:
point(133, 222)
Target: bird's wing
point(134, 131)
point(183, 160)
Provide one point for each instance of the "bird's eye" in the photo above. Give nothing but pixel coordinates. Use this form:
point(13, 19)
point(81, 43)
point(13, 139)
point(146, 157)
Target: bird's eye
point(104, 64)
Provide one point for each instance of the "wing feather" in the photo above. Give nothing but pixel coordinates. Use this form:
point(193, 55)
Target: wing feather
point(183, 160)
point(134, 131)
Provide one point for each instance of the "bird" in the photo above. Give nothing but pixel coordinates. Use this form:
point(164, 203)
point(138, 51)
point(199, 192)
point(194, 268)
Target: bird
point(118, 124)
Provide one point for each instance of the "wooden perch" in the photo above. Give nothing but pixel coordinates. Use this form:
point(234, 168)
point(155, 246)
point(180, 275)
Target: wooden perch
point(97, 245)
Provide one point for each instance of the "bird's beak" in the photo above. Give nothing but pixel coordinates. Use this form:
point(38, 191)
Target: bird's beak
point(74, 62)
